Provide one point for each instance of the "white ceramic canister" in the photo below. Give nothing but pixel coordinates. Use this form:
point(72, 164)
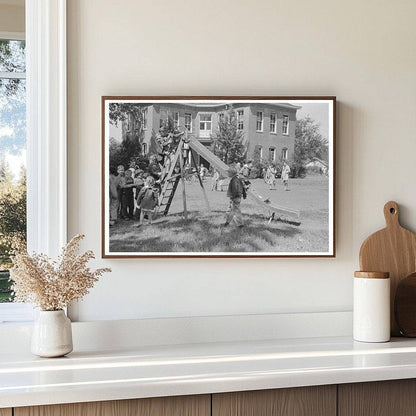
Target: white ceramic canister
point(371, 313)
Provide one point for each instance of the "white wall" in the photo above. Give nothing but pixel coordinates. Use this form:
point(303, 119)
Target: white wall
point(361, 51)
point(12, 18)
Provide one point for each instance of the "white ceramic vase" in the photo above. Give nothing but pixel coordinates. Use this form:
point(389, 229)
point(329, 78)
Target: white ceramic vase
point(52, 334)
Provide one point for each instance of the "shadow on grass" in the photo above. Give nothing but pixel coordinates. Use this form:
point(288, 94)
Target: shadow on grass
point(203, 232)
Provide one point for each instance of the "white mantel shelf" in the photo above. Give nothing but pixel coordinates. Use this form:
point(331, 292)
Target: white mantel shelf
point(152, 371)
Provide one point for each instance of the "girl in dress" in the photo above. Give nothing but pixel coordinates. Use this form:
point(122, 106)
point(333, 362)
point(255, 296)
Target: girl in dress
point(147, 200)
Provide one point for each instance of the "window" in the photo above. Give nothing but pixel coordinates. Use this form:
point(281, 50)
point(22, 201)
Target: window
point(46, 133)
point(272, 154)
point(144, 114)
point(144, 149)
point(259, 123)
point(188, 122)
point(285, 125)
point(240, 120)
point(272, 122)
point(261, 152)
point(12, 154)
point(176, 118)
point(220, 117)
point(205, 125)
point(284, 153)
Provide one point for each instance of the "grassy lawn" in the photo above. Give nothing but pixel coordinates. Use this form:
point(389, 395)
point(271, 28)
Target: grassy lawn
point(203, 231)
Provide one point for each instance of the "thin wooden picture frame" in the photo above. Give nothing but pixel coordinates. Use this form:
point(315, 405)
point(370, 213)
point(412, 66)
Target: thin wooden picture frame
point(229, 105)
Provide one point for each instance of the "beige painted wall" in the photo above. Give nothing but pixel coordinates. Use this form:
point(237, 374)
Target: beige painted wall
point(361, 51)
point(12, 18)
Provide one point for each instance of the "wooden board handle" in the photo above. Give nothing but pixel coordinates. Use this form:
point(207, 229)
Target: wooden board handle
point(391, 214)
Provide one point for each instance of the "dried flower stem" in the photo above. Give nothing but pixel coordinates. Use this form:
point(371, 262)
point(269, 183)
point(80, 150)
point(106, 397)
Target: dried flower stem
point(53, 285)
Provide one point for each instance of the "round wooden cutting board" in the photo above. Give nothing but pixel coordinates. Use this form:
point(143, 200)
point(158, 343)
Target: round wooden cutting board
point(393, 250)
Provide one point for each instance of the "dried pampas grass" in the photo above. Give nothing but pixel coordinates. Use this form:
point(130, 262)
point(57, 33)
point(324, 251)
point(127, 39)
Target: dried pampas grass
point(53, 285)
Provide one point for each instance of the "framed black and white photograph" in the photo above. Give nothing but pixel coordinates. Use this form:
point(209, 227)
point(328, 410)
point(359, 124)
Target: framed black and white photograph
point(218, 176)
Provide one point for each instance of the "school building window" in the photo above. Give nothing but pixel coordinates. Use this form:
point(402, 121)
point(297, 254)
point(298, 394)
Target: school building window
point(240, 119)
point(284, 153)
point(285, 125)
point(205, 125)
point(272, 154)
point(144, 148)
point(259, 123)
point(272, 122)
point(188, 122)
point(176, 118)
point(261, 152)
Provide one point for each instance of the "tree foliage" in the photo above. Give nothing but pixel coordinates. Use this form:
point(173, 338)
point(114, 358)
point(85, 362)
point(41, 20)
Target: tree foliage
point(12, 213)
point(309, 143)
point(119, 112)
point(129, 151)
point(228, 141)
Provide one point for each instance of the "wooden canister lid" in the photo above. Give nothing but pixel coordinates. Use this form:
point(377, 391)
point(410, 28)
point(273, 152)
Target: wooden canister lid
point(372, 275)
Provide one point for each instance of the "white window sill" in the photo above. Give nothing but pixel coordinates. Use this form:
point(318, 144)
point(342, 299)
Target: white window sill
point(16, 313)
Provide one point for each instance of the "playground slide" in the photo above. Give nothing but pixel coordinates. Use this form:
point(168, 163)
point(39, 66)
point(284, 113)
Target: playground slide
point(274, 209)
point(213, 160)
point(218, 164)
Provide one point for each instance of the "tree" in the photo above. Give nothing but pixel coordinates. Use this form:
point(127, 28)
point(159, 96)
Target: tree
point(12, 214)
point(309, 143)
point(129, 151)
point(6, 175)
point(228, 141)
point(120, 112)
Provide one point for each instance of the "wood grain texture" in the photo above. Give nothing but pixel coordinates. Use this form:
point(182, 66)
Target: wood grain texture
point(160, 406)
point(300, 401)
point(372, 275)
point(5, 412)
point(393, 250)
point(381, 398)
point(405, 306)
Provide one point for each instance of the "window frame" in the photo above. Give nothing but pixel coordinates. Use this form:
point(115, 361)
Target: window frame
point(207, 132)
point(18, 311)
point(285, 132)
point(261, 121)
point(285, 153)
point(272, 152)
point(46, 135)
point(240, 120)
point(274, 131)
